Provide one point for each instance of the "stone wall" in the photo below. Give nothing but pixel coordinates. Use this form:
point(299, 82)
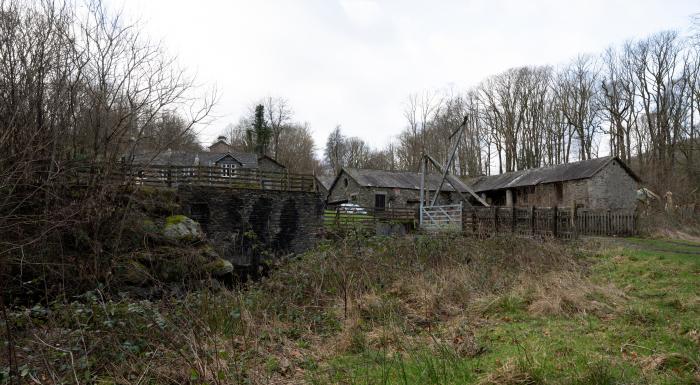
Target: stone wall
point(249, 226)
point(612, 188)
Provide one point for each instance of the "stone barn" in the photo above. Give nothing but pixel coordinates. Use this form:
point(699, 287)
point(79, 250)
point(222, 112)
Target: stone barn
point(381, 189)
point(602, 183)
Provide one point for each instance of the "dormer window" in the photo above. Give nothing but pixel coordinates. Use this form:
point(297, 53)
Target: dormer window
point(228, 169)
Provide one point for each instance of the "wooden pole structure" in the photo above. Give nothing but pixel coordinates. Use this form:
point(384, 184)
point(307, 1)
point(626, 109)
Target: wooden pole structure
point(450, 160)
point(422, 191)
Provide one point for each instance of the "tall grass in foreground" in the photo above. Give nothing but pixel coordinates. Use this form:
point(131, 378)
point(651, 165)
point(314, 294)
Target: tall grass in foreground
point(397, 311)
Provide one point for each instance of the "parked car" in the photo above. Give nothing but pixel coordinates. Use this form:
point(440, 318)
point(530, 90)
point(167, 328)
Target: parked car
point(351, 208)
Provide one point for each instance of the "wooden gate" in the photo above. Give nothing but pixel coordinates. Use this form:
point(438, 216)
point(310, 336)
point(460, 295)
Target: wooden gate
point(441, 218)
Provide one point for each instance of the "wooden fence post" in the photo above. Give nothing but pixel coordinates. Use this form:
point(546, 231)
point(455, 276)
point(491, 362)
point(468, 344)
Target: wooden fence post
point(554, 221)
point(513, 220)
point(532, 220)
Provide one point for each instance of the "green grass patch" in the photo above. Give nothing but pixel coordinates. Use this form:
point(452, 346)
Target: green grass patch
point(651, 338)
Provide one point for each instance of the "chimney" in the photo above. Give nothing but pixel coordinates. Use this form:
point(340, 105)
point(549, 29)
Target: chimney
point(221, 138)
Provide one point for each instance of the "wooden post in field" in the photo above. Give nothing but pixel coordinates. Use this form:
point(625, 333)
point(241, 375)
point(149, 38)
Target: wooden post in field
point(554, 221)
point(532, 220)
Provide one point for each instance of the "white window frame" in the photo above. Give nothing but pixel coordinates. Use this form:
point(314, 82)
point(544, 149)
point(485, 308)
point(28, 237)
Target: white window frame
point(228, 170)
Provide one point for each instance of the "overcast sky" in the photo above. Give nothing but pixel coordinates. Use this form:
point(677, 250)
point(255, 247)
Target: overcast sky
point(354, 62)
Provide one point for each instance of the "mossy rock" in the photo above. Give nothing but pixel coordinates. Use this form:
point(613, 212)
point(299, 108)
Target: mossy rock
point(209, 252)
point(175, 219)
point(219, 267)
point(182, 228)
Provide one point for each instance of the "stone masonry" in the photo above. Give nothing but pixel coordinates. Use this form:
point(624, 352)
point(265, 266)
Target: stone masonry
point(249, 226)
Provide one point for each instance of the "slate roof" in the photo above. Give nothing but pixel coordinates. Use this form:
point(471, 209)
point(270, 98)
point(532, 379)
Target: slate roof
point(401, 179)
point(326, 180)
point(203, 158)
point(534, 176)
point(260, 158)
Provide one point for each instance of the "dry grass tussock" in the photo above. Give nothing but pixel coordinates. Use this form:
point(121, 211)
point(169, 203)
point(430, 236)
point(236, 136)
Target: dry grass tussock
point(568, 293)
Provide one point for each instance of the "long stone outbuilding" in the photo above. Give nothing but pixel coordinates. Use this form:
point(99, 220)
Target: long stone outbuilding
point(602, 183)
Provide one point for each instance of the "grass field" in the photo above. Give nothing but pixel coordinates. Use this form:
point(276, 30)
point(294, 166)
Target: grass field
point(412, 310)
point(650, 336)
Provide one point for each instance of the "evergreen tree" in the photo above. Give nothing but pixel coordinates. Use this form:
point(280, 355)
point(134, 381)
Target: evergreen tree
point(261, 131)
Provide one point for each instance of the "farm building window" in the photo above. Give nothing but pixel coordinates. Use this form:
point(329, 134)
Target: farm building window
point(353, 197)
point(379, 201)
point(345, 182)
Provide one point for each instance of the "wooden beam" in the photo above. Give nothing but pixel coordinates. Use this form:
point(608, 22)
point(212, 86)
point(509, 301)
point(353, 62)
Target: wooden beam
point(469, 190)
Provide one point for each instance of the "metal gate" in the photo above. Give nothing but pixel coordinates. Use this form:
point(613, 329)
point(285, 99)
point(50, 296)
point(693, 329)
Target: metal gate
point(441, 218)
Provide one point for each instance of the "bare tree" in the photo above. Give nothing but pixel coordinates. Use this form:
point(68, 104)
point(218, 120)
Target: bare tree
point(278, 115)
point(576, 92)
point(78, 89)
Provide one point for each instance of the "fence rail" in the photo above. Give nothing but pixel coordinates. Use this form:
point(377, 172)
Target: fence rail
point(173, 176)
point(555, 222)
point(558, 222)
point(366, 219)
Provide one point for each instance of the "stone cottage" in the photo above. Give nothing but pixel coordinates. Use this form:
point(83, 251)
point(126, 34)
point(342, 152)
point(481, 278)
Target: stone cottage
point(220, 154)
point(391, 189)
point(602, 183)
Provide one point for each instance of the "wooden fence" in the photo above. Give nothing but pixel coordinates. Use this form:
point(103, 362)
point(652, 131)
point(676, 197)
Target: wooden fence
point(548, 222)
point(173, 176)
point(365, 220)
point(556, 222)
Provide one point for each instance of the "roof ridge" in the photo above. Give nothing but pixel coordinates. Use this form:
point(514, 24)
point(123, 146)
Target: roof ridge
point(551, 166)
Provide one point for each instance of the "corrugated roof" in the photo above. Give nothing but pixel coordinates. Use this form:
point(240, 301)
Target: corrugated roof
point(534, 176)
point(184, 158)
point(401, 179)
